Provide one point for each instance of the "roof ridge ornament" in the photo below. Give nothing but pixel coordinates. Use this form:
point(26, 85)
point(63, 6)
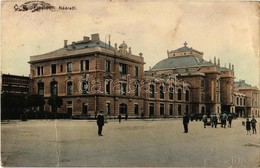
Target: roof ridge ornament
point(185, 43)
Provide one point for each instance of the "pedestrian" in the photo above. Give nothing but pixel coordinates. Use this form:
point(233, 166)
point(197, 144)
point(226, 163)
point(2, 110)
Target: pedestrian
point(224, 120)
point(100, 123)
point(205, 120)
point(185, 122)
point(215, 120)
point(119, 118)
point(230, 118)
point(142, 115)
point(126, 116)
point(248, 126)
point(253, 123)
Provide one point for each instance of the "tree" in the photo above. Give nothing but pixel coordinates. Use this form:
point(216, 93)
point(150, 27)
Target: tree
point(35, 101)
point(55, 102)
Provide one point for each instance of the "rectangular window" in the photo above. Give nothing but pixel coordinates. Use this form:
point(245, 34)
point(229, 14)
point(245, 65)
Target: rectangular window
point(161, 109)
point(108, 108)
point(136, 89)
point(53, 69)
point(151, 109)
point(69, 67)
point(135, 71)
point(107, 66)
point(136, 109)
point(84, 65)
point(123, 68)
point(107, 86)
point(38, 71)
point(122, 88)
point(171, 109)
point(61, 68)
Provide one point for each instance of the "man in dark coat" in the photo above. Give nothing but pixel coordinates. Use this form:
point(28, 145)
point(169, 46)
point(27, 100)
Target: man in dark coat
point(185, 122)
point(100, 123)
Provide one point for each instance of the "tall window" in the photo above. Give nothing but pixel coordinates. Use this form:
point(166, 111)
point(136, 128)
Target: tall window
point(107, 86)
point(84, 65)
point(69, 88)
point(123, 68)
point(41, 88)
point(171, 93)
point(171, 109)
point(161, 109)
point(187, 95)
point(187, 109)
point(162, 92)
point(61, 68)
point(136, 88)
point(54, 88)
point(122, 88)
point(53, 69)
point(107, 66)
point(179, 109)
point(69, 67)
point(151, 91)
point(136, 109)
point(135, 71)
point(40, 70)
point(108, 108)
point(179, 94)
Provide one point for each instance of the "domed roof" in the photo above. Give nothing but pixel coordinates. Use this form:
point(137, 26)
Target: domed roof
point(184, 61)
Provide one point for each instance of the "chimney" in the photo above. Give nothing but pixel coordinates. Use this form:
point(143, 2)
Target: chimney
point(95, 37)
point(215, 60)
point(218, 62)
point(229, 66)
point(85, 39)
point(116, 46)
point(65, 43)
point(232, 67)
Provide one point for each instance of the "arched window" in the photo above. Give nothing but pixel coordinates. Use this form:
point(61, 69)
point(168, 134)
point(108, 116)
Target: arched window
point(171, 91)
point(69, 88)
point(151, 91)
point(41, 88)
point(161, 92)
point(54, 88)
point(179, 94)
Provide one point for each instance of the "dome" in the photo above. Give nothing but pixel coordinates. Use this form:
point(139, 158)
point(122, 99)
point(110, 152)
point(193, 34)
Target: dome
point(184, 61)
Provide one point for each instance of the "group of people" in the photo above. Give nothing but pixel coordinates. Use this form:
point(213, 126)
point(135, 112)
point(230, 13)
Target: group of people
point(250, 124)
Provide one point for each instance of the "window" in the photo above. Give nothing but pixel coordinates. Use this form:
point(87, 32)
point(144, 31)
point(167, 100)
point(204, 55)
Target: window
point(69, 67)
point(69, 88)
point(84, 65)
point(136, 109)
point(53, 69)
point(179, 109)
point(61, 68)
point(108, 108)
point(187, 95)
point(171, 109)
point(41, 88)
point(161, 109)
point(123, 68)
point(107, 86)
point(151, 109)
point(135, 71)
point(151, 91)
point(69, 107)
point(187, 109)
point(122, 88)
point(171, 89)
point(161, 92)
point(179, 94)
point(107, 66)
point(40, 70)
point(136, 88)
point(54, 88)
point(84, 87)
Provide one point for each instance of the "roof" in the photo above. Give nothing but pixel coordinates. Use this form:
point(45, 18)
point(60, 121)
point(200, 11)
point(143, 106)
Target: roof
point(184, 61)
point(183, 49)
point(85, 44)
point(224, 69)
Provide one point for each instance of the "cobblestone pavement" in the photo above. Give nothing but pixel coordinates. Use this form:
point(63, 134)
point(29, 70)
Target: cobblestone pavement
point(135, 143)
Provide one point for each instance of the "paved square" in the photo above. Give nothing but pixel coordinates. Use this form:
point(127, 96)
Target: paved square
point(135, 143)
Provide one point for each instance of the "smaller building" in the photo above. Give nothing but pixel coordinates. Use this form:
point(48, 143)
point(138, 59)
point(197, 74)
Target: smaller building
point(15, 84)
point(251, 100)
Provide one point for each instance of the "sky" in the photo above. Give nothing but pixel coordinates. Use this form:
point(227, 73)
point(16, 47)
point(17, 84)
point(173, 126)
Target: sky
point(225, 30)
